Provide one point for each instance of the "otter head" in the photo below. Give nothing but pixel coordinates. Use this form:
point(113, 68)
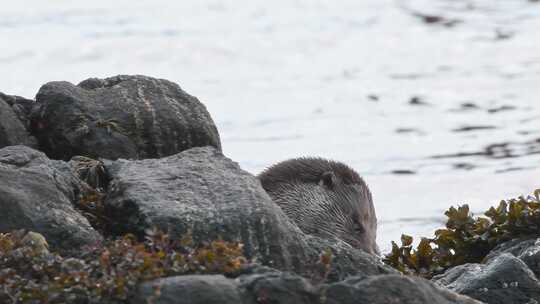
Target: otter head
point(324, 198)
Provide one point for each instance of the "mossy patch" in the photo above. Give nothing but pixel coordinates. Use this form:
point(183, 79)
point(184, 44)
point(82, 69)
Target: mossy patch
point(466, 238)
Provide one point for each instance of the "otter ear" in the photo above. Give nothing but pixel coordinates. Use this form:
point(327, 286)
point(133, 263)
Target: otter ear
point(328, 179)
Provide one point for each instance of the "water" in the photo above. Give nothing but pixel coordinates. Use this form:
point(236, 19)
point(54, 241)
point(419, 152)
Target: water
point(327, 78)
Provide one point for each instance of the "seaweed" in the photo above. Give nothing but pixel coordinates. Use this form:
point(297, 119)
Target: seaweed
point(107, 273)
point(466, 238)
point(92, 206)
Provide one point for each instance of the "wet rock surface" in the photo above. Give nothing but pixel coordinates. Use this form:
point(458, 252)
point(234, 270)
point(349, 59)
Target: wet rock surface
point(133, 117)
point(390, 289)
point(502, 279)
point(346, 261)
point(278, 287)
point(38, 194)
point(190, 289)
point(285, 288)
point(13, 127)
point(527, 250)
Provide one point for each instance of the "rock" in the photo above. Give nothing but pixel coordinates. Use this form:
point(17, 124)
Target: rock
point(503, 279)
point(12, 129)
point(514, 247)
point(22, 107)
point(278, 287)
point(527, 250)
point(346, 261)
point(37, 194)
point(396, 289)
point(199, 191)
point(269, 287)
point(189, 289)
point(252, 268)
point(288, 288)
point(132, 117)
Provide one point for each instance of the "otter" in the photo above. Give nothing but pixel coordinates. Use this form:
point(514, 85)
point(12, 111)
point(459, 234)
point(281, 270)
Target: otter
point(324, 198)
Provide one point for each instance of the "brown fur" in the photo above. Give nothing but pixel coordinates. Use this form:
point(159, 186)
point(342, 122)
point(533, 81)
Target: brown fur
point(324, 198)
point(307, 169)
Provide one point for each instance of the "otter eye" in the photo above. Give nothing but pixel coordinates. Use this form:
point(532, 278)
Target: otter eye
point(358, 227)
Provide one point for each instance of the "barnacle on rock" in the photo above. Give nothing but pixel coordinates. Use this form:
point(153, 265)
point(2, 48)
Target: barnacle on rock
point(466, 238)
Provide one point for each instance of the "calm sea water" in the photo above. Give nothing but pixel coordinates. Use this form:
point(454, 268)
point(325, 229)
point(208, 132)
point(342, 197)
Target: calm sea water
point(431, 115)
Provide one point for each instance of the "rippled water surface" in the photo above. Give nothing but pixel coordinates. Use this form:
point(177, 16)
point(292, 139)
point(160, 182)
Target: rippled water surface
point(431, 113)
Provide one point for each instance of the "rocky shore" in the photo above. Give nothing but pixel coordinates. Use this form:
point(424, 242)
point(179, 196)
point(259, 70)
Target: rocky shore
point(83, 164)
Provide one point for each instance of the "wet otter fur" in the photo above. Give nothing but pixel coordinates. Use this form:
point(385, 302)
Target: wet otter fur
point(324, 198)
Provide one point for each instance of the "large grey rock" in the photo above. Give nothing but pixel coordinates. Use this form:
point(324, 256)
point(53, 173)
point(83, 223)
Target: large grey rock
point(37, 194)
point(396, 289)
point(269, 287)
point(189, 289)
point(527, 250)
point(13, 130)
point(277, 287)
point(133, 117)
point(503, 279)
point(199, 191)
